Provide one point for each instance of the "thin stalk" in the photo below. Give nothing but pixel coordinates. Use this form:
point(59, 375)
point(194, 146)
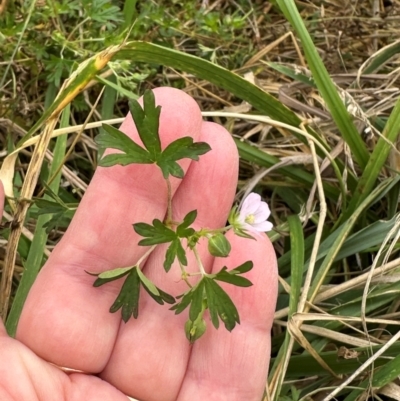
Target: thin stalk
point(318, 236)
point(185, 275)
point(199, 262)
point(145, 256)
point(169, 220)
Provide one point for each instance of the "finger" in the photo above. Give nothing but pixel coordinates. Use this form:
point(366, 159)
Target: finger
point(65, 319)
point(154, 370)
point(235, 364)
point(2, 328)
point(24, 376)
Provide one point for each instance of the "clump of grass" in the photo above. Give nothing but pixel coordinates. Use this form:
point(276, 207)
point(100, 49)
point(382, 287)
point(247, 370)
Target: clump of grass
point(318, 136)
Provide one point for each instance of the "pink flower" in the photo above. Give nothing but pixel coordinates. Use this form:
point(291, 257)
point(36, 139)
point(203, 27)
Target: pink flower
point(253, 215)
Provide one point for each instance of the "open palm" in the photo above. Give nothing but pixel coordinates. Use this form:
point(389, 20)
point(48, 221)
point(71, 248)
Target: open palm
point(66, 320)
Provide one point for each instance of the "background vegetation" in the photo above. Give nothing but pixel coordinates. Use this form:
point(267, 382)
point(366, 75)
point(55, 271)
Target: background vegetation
point(313, 107)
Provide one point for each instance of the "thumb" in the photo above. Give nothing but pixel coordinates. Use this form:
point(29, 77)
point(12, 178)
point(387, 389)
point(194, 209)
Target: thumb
point(2, 328)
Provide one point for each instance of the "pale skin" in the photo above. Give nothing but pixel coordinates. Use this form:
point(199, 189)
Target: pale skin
point(66, 321)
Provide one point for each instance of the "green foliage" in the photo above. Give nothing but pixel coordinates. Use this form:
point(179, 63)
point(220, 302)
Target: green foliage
point(61, 33)
point(207, 294)
point(61, 212)
point(232, 276)
point(146, 120)
point(158, 233)
point(128, 298)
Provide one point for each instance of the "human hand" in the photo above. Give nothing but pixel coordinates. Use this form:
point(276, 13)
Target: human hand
point(66, 321)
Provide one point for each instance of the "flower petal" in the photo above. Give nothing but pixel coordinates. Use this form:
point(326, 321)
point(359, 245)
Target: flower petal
point(252, 215)
point(262, 213)
point(250, 204)
point(263, 226)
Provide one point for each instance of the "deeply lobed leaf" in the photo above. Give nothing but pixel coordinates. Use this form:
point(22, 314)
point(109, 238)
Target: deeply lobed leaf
point(128, 298)
point(115, 139)
point(158, 233)
point(220, 305)
point(147, 123)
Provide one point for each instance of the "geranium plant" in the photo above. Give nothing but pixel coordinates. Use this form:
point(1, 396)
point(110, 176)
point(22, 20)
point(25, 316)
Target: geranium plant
point(181, 238)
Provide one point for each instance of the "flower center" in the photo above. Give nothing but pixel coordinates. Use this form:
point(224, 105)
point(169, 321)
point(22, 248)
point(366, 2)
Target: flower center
point(250, 219)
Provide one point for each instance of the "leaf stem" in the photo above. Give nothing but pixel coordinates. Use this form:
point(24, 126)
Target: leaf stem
point(145, 256)
point(185, 275)
point(169, 221)
point(199, 262)
point(218, 230)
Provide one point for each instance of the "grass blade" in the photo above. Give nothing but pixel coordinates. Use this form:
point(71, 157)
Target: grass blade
point(279, 367)
point(325, 85)
point(35, 257)
point(376, 161)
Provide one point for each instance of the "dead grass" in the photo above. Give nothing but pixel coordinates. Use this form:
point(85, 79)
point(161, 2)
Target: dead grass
point(349, 36)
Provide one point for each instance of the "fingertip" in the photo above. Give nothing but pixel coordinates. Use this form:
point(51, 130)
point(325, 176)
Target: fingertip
point(246, 349)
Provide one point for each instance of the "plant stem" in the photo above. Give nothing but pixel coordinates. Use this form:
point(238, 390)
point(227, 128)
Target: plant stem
point(217, 230)
point(169, 221)
point(145, 256)
point(199, 262)
point(185, 275)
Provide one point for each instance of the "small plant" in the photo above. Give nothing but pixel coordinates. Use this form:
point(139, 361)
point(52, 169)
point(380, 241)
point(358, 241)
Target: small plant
point(206, 294)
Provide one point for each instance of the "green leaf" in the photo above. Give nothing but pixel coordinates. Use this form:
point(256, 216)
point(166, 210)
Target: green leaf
point(219, 246)
point(180, 149)
point(173, 251)
point(119, 272)
point(196, 306)
point(232, 277)
point(128, 298)
point(170, 255)
point(162, 297)
point(220, 305)
point(59, 220)
point(185, 148)
point(47, 206)
point(170, 168)
point(181, 254)
point(113, 138)
point(169, 299)
point(61, 213)
point(110, 275)
point(147, 121)
point(186, 298)
point(243, 268)
point(147, 283)
point(118, 158)
point(182, 230)
point(158, 233)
